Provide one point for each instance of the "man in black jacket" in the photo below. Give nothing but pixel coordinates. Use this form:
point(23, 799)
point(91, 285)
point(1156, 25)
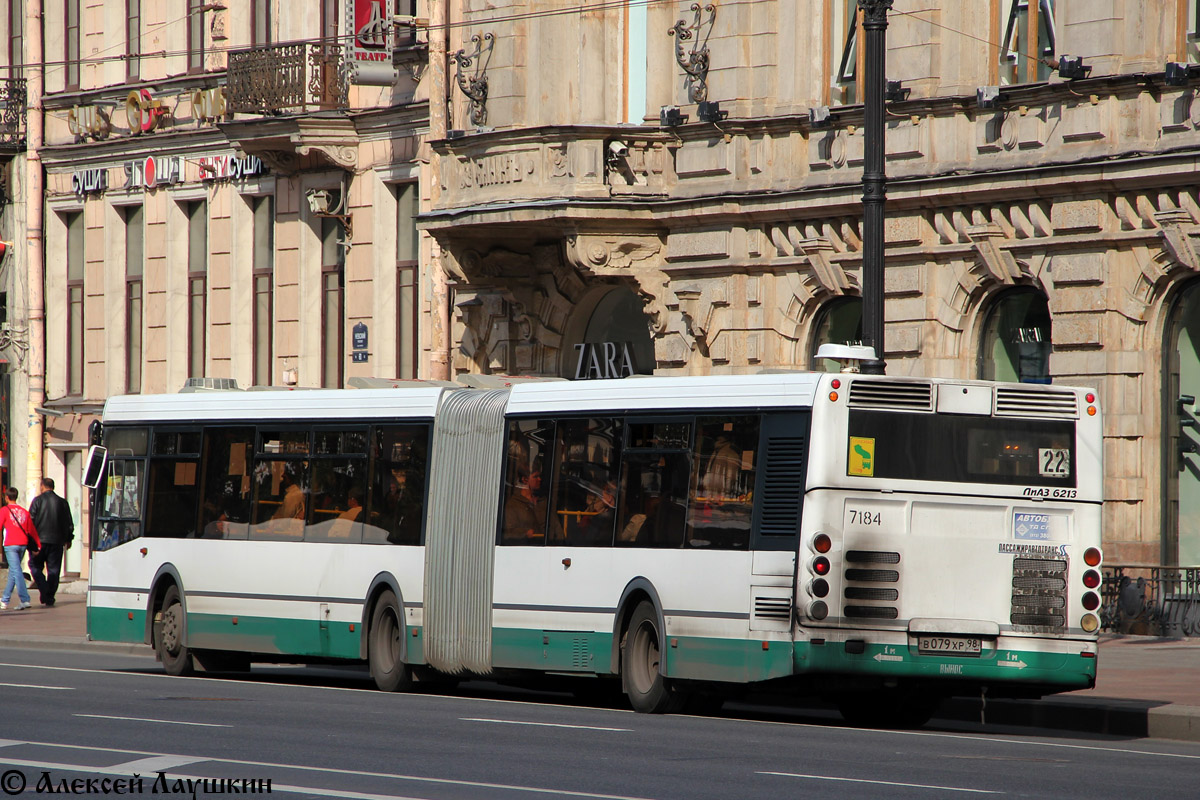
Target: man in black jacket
point(52, 519)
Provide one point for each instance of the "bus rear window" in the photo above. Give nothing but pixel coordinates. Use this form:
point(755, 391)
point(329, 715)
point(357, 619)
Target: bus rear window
point(962, 448)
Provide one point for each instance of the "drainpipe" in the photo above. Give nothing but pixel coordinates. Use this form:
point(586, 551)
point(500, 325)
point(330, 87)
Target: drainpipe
point(34, 250)
point(439, 355)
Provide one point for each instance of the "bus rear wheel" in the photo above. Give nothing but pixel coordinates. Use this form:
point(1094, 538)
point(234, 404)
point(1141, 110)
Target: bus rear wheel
point(388, 669)
point(168, 635)
point(641, 655)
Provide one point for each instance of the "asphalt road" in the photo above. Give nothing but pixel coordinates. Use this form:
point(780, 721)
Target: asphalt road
point(326, 733)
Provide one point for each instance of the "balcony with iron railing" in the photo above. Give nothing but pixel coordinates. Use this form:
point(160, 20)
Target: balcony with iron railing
point(286, 78)
point(12, 111)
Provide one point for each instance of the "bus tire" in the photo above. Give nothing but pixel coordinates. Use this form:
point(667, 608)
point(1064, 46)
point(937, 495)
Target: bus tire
point(388, 669)
point(641, 654)
point(888, 708)
point(168, 635)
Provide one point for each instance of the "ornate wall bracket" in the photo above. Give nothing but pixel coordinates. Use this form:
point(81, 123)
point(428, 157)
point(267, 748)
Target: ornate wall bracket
point(1178, 235)
point(994, 263)
point(475, 86)
point(694, 62)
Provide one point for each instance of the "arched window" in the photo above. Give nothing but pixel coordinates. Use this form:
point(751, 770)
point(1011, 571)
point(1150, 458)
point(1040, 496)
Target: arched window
point(1016, 338)
point(838, 322)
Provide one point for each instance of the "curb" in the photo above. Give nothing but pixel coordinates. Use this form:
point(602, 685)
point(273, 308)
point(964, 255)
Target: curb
point(1139, 719)
point(78, 644)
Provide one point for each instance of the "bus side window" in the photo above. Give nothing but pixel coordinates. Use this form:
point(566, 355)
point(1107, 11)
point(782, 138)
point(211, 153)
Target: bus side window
point(526, 484)
point(721, 509)
point(280, 499)
point(655, 471)
point(225, 483)
point(587, 455)
point(399, 464)
point(339, 486)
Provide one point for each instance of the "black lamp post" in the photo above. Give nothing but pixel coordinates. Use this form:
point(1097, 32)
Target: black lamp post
point(874, 28)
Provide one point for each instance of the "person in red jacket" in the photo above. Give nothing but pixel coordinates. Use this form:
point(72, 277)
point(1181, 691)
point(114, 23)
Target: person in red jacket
point(16, 526)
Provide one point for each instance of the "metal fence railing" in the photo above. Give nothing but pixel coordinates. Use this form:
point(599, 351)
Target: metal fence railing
point(1151, 600)
point(274, 79)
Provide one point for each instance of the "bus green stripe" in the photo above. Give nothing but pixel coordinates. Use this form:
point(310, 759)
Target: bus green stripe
point(116, 625)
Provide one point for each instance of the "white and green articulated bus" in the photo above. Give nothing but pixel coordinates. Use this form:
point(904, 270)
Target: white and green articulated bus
point(884, 542)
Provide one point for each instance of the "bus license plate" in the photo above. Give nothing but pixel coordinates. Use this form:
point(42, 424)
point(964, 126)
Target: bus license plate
point(949, 645)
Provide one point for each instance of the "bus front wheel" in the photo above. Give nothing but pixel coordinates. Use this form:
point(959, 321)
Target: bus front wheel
point(168, 635)
point(641, 655)
point(388, 669)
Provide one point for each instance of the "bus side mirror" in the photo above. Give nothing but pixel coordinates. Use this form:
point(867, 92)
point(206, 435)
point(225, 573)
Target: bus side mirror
point(93, 469)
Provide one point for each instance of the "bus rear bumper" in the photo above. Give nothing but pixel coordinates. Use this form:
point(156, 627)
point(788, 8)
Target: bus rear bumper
point(1053, 665)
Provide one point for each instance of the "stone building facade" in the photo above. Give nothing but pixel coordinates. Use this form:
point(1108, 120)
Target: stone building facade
point(592, 217)
point(1043, 228)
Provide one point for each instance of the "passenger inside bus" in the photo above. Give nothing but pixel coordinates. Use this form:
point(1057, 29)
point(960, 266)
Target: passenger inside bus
point(525, 510)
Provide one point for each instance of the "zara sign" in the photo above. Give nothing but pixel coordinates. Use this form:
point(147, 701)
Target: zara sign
point(604, 360)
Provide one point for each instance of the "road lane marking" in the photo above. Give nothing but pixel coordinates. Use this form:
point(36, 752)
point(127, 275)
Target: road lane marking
point(881, 783)
point(545, 724)
point(38, 686)
point(159, 721)
point(156, 764)
point(119, 770)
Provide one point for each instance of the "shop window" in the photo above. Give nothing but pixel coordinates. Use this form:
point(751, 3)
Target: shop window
point(838, 322)
point(1016, 342)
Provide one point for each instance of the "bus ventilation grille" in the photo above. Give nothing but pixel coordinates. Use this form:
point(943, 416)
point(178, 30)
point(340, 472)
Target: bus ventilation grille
point(1034, 403)
point(866, 393)
point(871, 612)
point(1039, 593)
point(773, 608)
point(579, 653)
point(783, 486)
point(869, 593)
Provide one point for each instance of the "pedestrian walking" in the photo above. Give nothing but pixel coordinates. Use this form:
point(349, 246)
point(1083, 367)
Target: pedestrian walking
point(19, 534)
point(52, 520)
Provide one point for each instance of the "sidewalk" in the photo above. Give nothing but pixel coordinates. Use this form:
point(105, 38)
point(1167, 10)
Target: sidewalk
point(1146, 686)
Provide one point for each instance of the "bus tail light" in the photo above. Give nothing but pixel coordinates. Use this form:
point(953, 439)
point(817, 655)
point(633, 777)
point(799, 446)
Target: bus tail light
point(1090, 624)
point(1092, 556)
point(822, 543)
point(819, 565)
point(1091, 601)
point(818, 587)
point(1091, 579)
point(818, 610)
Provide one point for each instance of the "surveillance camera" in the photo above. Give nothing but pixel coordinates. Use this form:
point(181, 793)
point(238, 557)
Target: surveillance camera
point(618, 149)
point(318, 201)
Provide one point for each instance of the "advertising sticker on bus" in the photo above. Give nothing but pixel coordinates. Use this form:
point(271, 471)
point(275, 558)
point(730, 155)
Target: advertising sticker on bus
point(861, 461)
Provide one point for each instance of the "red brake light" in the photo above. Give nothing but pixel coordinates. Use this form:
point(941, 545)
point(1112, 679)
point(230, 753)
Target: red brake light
point(837, 384)
point(820, 565)
point(1091, 398)
point(1091, 601)
point(822, 543)
point(1091, 557)
point(1091, 579)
